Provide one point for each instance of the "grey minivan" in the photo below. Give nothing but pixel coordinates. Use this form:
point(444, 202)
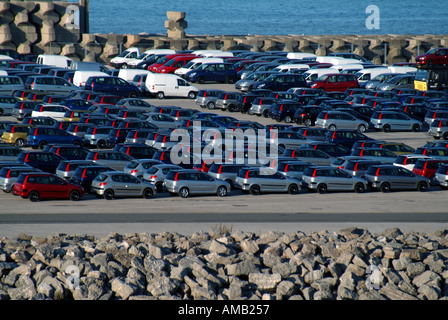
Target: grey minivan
point(9, 84)
point(55, 85)
point(389, 177)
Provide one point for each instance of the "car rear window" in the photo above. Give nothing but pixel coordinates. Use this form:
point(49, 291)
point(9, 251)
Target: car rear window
point(102, 177)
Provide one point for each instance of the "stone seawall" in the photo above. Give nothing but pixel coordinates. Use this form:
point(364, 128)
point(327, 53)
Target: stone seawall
point(222, 264)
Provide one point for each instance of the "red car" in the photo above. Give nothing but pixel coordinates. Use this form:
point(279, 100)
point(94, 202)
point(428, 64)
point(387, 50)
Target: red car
point(433, 56)
point(428, 167)
point(336, 82)
point(36, 186)
point(153, 67)
point(175, 63)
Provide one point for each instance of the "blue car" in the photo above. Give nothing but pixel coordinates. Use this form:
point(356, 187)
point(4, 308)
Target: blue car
point(42, 160)
point(112, 85)
point(39, 137)
point(213, 72)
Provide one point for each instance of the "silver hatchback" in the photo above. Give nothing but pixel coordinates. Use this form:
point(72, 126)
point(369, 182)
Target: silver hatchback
point(389, 177)
point(138, 167)
point(113, 184)
point(261, 180)
point(324, 179)
point(333, 120)
point(188, 182)
point(157, 173)
point(9, 176)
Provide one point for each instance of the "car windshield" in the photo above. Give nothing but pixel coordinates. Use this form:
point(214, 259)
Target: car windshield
point(395, 80)
point(102, 177)
point(190, 63)
point(322, 78)
point(432, 51)
point(422, 75)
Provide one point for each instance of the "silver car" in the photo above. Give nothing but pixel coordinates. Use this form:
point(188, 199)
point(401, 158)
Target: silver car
point(389, 177)
point(261, 106)
point(324, 179)
point(377, 154)
point(261, 180)
point(162, 121)
point(227, 101)
point(439, 129)
point(114, 184)
point(66, 168)
point(138, 167)
point(7, 104)
point(313, 156)
point(401, 81)
point(114, 159)
point(9, 176)
point(293, 168)
point(8, 152)
point(394, 120)
point(247, 83)
point(287, 139)
point(225, 171)
point(207, 98)
point(333, 120)
point(157, 174)
point(97, 136)
point(441, 176)
point(188, 182)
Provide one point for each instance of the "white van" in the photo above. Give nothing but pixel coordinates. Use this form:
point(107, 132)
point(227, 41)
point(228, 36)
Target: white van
point(402, 69)
point(87, 66)
point(169, 85)
point(193, 64)
point(336, 61)
point(341, 67)
point(54, 60)
point(312, 74)
point(301, 55)
point(145, 55)
point(80, 77)
point(129, 74)
point(292, 66)
point(123, 58)
point(365, 75)
point(216, 54)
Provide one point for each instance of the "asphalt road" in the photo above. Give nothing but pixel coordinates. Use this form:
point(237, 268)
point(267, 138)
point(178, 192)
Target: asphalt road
point(411, 209)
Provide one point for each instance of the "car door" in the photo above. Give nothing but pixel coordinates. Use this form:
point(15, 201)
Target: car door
point(181, 88)
point(343, 180)
point(207, 184)
point(120, 184)
point(132, 184)
point(405, 178)
point(59, 187)
point(43, 186)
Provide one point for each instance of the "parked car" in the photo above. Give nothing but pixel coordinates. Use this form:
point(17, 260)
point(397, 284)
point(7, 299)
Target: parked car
point(16, 134)
point(389, 177)
point(284, 110)
point(213, 72)
point(206, 98)
point(307, 115)
point(8, 152)
point(332, 149)
point(9, 84)
point(281, 82)
point(162, 121)
point(260, 106)
point(7, 104)
point(327, 178)
point(157, 173)
point(394, 120)
point(439, 129)
point(262, 180)
point(441, 177)
point(66, 168)
point(318, 134)
point(382, 155)
point(227, 101)
point(114, 184)
point(434, 56)
point(111, 158)
point(97, 136)
point(292, 168)
point(188, 182)
point(36, 186)
point(399, 148)
point(84, 175)
point(398, 82)
point(10, 174)
point(346, 138)
point(42, 160)
point(428, 168)
point(55, 85)
point(112, 85)
point(408, 161)
point(40, 136)
point(311, 155)
point(137, 151)
point(359, 167)
point(333, 120)
point(335, 82)
point(225, 171)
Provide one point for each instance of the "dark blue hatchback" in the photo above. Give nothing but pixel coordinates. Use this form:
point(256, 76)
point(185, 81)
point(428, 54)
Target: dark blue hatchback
point(112, 85)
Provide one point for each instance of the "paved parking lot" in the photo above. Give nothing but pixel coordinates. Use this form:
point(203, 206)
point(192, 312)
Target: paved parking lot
point(272, 208)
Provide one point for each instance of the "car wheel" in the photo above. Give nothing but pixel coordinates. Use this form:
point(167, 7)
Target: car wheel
point(288, 119)
point(192, 95)
point(266, 113)
point(184, 192)
point(148, 193)
point(101, 144)
point(75, 195)
point(201, 80)
point(308, 123)
point(230, 80)
point(422, 186)
point(255, 190)
point(360, 188)
point(222, 191)
point(361, 128)
point(332, 127)
point(429, 62)
point(385, 187)
point(322, 188)
point(210, 105)
point(160, 95)
point(386, 128)
point(293, 189)
point(445, 136)
point(34, 196)
point(132, 94)
point(109, 194)
point(19, 143)
point(42, 145)
point(415, 128)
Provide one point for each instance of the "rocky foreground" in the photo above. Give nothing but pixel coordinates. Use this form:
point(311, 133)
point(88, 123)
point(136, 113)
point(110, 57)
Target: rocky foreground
point(222, 264)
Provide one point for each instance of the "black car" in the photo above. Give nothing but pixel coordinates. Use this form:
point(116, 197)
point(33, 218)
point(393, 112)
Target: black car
point(307, 115)
point(84, 175)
